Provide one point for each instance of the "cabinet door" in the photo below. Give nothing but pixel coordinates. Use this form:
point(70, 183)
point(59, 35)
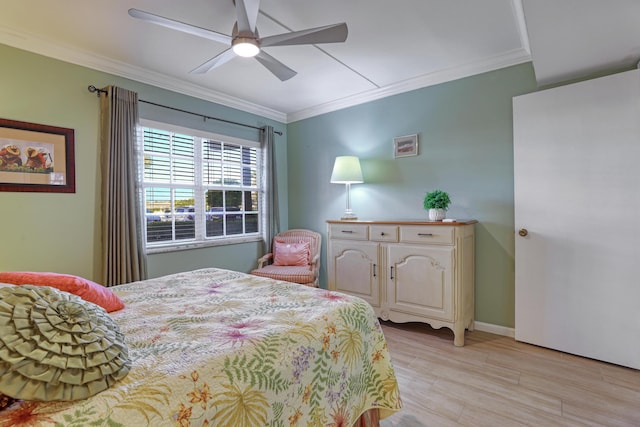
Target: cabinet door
point(354, 269)
point(420, 280)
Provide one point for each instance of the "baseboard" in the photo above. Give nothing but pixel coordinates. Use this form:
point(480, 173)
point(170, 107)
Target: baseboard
point(495, 329)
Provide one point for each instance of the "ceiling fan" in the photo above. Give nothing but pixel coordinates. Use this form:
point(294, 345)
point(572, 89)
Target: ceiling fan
point(245, 41)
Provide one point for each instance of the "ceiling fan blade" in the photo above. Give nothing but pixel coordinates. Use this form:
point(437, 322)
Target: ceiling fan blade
point(328, 34)
point(180, 26)
point(247, 14)
point(215, 62)
point(280, 70)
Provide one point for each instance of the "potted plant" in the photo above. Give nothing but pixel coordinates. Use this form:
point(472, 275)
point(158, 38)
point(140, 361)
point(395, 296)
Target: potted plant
point(436, 202)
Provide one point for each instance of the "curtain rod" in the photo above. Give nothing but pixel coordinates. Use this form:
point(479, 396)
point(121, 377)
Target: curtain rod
point(94, 89)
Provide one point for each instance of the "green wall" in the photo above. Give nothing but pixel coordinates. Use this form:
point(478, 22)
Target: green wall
point(465, 148)
point(465, 131)
point(61, 232)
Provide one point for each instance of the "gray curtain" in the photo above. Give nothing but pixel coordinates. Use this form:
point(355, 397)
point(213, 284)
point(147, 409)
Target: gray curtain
point(271, 223)
point(123, 253)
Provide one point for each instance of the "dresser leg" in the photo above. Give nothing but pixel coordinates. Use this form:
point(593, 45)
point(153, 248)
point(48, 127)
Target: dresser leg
point(458, 335)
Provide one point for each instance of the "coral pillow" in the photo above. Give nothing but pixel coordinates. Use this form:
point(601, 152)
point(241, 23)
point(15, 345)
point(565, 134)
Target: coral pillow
point(285, 253)
point(85, 289)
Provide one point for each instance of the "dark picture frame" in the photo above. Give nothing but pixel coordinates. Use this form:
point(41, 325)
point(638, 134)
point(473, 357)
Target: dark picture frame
point(36, 158)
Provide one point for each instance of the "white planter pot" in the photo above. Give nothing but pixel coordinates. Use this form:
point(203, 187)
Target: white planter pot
point(436, 214)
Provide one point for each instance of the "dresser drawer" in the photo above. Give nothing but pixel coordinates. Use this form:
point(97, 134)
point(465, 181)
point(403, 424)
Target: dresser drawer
point(427, 234)
point(349, 231)
point(383, 233)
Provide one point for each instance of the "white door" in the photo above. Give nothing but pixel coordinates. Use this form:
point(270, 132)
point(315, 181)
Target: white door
point(577, 194)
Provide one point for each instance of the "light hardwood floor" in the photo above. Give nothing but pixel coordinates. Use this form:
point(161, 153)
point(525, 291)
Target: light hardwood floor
point(496, 381)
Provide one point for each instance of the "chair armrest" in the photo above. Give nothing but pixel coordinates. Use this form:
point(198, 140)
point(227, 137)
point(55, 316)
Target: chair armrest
point(263, 259)
point(315, 263)
point(315, 260)
point(315, 267)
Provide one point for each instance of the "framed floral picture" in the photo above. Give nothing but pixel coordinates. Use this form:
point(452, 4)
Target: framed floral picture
point(36, 158)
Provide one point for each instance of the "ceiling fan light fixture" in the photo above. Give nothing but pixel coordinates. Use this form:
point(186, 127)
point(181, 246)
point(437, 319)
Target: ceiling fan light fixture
point(245, 40)
point(245, 47)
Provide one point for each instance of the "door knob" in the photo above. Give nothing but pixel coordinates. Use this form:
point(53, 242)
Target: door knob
point(523, 232)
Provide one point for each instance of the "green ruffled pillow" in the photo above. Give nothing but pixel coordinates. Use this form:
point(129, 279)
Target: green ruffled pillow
point(56, 346)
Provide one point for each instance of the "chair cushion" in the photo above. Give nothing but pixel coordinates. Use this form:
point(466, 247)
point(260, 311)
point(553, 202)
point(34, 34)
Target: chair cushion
point(295, 274)
point(294, 254)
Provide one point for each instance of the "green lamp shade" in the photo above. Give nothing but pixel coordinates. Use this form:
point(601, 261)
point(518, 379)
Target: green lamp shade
point(346, 170)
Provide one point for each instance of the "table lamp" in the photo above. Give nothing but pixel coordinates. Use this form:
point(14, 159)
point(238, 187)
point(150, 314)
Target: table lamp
point(346, 170)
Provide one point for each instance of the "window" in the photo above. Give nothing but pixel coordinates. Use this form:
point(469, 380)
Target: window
point(199, 188)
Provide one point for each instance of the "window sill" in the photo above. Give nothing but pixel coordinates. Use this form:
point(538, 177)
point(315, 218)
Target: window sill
point(174, 247)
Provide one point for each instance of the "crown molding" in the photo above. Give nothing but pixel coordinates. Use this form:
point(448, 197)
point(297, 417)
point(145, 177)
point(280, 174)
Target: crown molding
point(36, 44)
point(518, 11)
point(514, 57)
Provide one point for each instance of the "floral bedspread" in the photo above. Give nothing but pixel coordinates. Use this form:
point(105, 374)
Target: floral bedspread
point(215, 347)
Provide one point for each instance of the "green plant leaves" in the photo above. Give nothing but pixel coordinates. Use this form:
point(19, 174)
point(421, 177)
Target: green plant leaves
point(436, 199)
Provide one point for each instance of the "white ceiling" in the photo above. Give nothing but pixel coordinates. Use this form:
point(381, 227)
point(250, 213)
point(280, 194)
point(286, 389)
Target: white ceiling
point(576, 38)
point(392, 47)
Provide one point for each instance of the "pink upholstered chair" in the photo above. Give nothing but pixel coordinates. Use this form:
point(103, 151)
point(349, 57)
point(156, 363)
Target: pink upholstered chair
point(294, 262)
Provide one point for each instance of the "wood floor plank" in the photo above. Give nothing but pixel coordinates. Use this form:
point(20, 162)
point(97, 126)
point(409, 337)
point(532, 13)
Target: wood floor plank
point(621, 376)
point(474, 416)
point(496, 381)
point(598, 415)
point(590, 402)
point(423, 419)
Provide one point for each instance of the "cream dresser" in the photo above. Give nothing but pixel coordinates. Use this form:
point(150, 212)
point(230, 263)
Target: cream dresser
point(408, 271)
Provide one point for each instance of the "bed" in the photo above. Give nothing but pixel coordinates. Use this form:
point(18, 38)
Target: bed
point(222, 348)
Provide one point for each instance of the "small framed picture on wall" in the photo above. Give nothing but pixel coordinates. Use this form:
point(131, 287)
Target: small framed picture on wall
point(36, 158)
point(405, 146)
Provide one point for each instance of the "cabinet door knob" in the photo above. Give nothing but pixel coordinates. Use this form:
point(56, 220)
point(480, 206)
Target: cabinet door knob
point(425, 234)
point(374, 269)
point(523, 232)
point(391, 273)
point(347, 231)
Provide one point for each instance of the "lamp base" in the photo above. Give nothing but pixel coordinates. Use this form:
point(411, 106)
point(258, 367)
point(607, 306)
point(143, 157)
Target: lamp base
point(349, 216)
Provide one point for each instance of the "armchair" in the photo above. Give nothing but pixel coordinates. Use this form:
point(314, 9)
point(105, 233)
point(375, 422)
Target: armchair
point(294, 257)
